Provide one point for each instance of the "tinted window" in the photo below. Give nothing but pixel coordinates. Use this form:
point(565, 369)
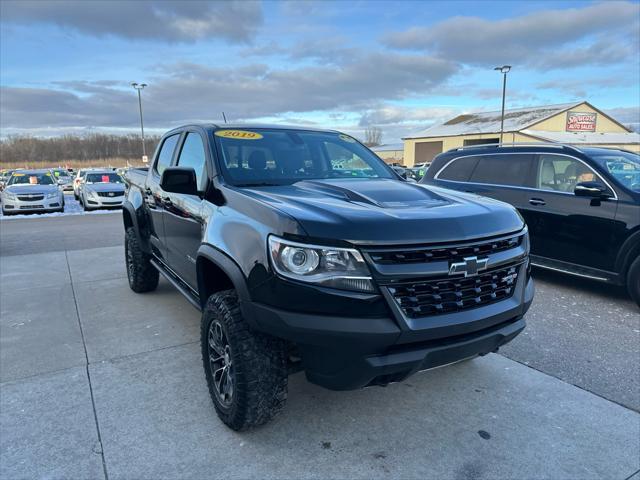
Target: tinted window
point(166, 153)
point(31, 178)
point(459, 170)
point(192, 155)
point(560, 173)
point(287, 156)
point(502, 169)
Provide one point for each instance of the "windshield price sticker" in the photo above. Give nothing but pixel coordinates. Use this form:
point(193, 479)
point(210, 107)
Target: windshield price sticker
point(346, 138)
point(238, 134)
point(105, 178)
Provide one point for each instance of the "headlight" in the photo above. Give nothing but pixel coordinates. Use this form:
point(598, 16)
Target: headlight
point(52, 195)
point(342, 268)
point(91, 193)
point(9, 196)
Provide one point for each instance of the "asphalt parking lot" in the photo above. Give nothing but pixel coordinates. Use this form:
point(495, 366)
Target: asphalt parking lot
point(98, 382)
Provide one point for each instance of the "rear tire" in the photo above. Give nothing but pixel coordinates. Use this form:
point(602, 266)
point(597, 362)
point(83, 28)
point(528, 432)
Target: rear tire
point(633, 280)
point(143, 277)
point(246, 371)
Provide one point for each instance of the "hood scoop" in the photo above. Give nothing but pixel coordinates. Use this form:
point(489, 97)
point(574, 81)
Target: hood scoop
point(380, 193)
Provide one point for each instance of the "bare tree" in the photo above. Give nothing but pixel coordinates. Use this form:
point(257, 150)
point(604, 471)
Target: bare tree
point(372, 136)
point(88, 149)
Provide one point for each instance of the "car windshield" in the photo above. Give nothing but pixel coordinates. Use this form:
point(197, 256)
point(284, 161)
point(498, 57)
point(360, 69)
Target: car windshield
point(107, 177)
point(623, 166)
point(33, 178)
point(281, 157)
point(61, 173)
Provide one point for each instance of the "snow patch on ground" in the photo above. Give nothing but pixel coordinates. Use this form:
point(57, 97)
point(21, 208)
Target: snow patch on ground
point(71, 207)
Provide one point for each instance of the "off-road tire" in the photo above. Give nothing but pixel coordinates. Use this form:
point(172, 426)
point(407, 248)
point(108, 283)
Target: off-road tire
point(260, 376)
point(633, 280)
point(143, 277)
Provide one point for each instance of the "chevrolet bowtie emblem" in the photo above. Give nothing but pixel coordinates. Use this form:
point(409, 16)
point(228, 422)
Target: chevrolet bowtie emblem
point(470, 266)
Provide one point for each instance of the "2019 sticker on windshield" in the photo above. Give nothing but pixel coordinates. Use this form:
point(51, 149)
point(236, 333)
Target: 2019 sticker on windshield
point(346, 138)
point(238, 134)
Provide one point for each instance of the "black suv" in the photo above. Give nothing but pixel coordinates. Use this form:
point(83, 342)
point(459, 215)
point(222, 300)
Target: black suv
point(582, 205)
point(304, 251)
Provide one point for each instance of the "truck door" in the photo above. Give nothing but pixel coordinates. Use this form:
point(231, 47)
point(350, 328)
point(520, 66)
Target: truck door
point(184, 221)
point(153, 195)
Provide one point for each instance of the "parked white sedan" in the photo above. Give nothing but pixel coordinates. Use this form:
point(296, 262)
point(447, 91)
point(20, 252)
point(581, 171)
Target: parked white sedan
point(101, 189)
point(32, 191)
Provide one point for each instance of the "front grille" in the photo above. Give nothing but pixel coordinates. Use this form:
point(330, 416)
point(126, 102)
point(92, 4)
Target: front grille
point(448, 295)
point(30, 207)
point(449, 253)
point(110, 194)
point(30, 198)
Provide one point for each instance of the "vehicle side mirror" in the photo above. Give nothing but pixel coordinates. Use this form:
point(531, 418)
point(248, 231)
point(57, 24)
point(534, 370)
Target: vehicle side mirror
point(410, 180)
point(591, 189)
point(179, 180)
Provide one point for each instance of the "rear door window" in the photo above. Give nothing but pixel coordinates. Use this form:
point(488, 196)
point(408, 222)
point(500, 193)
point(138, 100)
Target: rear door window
point(166, 153)
point(458, 170)
point(504, 169)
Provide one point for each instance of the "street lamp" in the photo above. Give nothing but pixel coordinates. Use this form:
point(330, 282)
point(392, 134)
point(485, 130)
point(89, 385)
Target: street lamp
point(504, 70)
point(139, 87)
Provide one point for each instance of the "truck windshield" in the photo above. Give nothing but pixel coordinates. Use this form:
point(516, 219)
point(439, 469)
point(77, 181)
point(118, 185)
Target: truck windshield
point(281, 157)
point(623, 166)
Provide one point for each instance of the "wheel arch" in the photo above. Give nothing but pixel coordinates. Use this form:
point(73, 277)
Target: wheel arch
point(216, 272)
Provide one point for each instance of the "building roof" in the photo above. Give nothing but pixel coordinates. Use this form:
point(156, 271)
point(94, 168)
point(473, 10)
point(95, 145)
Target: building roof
point(515, 119)
point(389, 147)
point(592, 138)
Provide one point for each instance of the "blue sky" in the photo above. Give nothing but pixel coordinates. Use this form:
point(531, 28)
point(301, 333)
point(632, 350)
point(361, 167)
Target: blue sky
point(401, 66)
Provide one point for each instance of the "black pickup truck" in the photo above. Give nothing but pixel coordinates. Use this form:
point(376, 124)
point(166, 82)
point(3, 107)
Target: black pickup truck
point(304, 251)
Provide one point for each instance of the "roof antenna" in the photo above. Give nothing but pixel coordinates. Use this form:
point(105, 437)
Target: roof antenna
point(224, 117)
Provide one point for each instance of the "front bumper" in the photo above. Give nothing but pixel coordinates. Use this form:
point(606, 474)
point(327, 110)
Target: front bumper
point(30, 206)
point(344, 353)
point(104, 202)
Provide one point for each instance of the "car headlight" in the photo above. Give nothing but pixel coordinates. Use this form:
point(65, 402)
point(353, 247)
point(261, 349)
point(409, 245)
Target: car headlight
point(91, 193)
point(9, 196)
point(342, 268)
point(52, 195)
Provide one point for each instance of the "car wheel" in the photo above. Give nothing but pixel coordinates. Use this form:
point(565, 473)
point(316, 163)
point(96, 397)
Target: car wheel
point(143, 277)
point(246, 371)
point(633, 280)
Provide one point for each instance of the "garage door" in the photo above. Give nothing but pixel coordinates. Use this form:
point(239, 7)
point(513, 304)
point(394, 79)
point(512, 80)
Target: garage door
point(425, 151)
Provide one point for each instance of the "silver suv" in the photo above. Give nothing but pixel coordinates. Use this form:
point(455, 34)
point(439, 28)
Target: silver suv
point(101, 189)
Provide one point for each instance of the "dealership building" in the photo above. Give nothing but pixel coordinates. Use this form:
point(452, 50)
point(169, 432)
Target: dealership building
point(579, 124)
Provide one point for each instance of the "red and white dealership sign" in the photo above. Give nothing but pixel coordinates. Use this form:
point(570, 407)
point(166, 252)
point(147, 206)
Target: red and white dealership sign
point(581, 122)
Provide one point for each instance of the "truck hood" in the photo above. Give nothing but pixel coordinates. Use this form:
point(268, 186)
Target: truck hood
point(384, 211)
point(31, 189)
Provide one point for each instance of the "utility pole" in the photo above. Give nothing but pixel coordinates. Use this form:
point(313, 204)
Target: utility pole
point(504, 70)
point(139, 87)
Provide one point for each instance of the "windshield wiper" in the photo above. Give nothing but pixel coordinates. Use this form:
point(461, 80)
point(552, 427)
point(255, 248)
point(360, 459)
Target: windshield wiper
point(257, 184)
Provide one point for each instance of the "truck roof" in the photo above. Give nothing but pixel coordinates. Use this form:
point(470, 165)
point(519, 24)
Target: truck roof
point(240, 126)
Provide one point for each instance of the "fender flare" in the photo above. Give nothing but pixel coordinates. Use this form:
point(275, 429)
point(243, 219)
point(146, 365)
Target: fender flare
point(233, 271)
point(129, 212)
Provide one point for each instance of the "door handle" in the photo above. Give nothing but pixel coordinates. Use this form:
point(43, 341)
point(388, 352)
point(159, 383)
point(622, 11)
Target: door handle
point(167, 201)
point(537, 201)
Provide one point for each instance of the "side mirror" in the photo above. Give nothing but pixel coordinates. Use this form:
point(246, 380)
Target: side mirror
point(179, 180)
point(411, 180)
point(591, 189)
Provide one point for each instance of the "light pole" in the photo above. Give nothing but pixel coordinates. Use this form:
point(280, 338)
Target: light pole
point(504, 70)
point(139, 87)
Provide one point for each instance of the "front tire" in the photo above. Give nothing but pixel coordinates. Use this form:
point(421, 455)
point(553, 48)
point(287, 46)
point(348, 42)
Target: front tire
point(246, 371)
point(633, 280)
point(143, 277)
